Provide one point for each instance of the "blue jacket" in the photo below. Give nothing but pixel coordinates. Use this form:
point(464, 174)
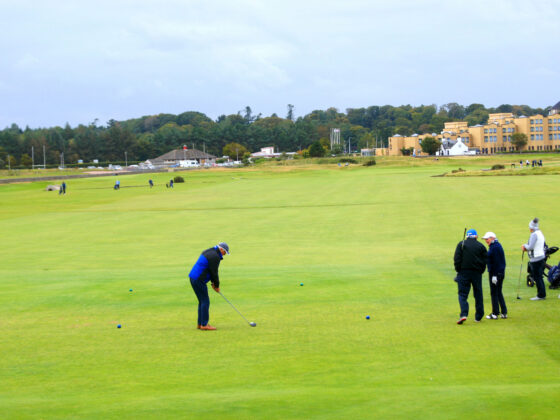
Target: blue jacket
point(206, 267)
point(496, 259)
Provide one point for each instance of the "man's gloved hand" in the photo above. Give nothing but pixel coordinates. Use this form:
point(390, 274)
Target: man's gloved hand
point(494, 280)
point(216, 289)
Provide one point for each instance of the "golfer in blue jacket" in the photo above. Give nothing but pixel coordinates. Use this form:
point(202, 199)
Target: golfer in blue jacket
point(206, 270)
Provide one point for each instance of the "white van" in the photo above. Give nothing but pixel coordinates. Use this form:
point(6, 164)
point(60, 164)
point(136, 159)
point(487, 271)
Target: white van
point(189, 164)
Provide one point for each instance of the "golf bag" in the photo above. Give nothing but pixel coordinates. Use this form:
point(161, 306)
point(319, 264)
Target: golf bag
point(548, 251)
point(554, 277)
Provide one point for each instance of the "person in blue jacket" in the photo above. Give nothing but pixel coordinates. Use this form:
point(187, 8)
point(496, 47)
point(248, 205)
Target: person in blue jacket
point(496, 274)
point(206, 270)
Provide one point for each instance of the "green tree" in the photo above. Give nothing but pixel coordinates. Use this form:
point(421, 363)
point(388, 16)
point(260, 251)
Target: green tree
point(316, 150)
point(25, 160)
point(478, 116)
point(519, 140)
point(337, 149)
point(430, 145)
point(234, 150)
point(290, 115)
point(454, 110)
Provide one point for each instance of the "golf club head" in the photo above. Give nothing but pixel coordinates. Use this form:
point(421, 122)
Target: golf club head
point(518, 298)
point(253, 324)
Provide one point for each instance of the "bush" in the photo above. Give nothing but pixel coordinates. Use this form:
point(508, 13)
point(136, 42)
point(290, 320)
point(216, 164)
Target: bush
point(497, 167)
point(369, 162)
point(454, 171)
point(347, 160)
point(325, 161)
point(178, 179)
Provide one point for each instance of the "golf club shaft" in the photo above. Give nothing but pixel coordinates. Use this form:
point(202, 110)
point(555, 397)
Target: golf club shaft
point(234, 308)
point(520, 270)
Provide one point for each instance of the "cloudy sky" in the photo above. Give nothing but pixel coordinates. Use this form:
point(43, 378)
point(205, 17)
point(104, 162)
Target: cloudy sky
point(78, 61)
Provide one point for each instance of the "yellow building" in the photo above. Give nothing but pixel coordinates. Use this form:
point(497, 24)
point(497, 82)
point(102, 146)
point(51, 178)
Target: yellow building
point(543, 134)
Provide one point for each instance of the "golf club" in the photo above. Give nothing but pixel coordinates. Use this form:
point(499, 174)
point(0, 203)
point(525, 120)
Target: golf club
point(462, 247)
point(252, 324)
point(520, 269)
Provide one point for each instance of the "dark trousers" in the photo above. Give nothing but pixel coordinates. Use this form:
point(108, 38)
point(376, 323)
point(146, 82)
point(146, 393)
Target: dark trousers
point(497, 295)
point(537, 269)
point(201, 291)
point(465, 279)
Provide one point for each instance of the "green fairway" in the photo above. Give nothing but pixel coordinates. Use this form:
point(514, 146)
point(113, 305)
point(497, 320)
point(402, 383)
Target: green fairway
point(375, 241)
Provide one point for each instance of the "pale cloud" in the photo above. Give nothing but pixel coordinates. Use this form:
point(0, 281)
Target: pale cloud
point(27, 62)
point(218, 56)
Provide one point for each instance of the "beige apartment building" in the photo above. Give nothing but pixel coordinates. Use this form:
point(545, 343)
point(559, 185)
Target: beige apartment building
point(543, 134)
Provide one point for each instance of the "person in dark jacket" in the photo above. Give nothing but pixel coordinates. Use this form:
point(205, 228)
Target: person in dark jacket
point(470, 262)
point(496, 274)
point(206, 270)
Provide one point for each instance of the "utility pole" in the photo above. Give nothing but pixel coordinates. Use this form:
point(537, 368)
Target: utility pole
point(32, 157)
point(44, 158)
point(125, 159)
point(9, 167)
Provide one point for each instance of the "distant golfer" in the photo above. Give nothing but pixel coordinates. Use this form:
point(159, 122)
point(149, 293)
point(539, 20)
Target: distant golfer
point(117, 185)
point(537, 258)
point(496, 274)
point(470, 263)
point(170, 183)
point(205, 270)
point(151, 183)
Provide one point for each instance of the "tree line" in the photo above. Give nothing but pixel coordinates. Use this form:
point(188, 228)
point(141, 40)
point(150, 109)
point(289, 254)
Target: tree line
point(151, 136)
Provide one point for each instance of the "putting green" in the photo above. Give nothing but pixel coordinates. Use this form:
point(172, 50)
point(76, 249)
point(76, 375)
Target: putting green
point(375, 241)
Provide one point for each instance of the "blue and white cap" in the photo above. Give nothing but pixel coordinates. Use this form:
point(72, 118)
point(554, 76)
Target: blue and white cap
point(224, 246)
point(471, 233)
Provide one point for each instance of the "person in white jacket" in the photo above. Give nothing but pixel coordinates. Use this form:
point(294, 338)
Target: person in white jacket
point(537, 258)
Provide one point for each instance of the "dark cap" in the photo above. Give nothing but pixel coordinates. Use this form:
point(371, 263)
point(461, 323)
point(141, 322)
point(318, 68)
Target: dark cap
point(224, 246)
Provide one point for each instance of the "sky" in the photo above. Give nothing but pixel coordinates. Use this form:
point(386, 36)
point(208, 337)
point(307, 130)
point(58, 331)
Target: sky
point(80, 62)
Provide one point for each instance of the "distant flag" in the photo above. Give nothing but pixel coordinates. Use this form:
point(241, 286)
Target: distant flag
point(184, 147)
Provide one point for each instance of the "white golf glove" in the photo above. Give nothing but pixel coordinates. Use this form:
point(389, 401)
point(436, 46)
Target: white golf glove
point(494, 280)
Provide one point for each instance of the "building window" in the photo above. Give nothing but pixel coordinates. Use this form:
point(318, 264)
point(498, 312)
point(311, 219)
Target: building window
point(485, 131)
point(532, 121)
point(532, 129)
point(485, 139)
point(532, 137)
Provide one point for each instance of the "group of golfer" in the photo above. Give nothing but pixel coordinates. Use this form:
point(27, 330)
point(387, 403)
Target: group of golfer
point(471, 260)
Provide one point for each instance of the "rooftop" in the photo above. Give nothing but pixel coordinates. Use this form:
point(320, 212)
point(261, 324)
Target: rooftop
point(179, 154)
